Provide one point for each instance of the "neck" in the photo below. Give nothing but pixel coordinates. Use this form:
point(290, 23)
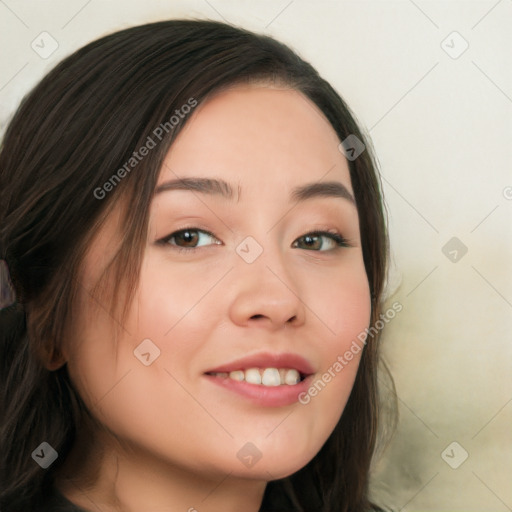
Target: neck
point(117, 478)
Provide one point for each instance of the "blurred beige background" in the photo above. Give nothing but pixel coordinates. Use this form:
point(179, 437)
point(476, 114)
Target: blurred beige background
point(431, 81)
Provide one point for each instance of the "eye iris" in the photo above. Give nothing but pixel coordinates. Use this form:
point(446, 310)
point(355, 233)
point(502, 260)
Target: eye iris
point(189, 237)
point(312, 241)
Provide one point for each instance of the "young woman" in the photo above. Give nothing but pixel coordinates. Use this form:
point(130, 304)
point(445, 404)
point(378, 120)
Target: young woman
point(193, 227)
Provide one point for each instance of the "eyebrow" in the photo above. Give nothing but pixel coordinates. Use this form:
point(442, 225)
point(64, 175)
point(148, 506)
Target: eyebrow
point(220, 187)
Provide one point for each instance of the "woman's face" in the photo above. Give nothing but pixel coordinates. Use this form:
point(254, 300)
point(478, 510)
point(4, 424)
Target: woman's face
point(247, 288)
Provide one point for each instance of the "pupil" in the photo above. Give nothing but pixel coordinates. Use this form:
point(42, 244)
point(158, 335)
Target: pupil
point(310, 240)
point(188, 237)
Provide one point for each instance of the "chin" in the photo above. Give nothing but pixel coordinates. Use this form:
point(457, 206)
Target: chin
point(274, 464)
point(270, 470)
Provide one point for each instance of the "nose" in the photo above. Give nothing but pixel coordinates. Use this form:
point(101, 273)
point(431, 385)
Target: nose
point(266, 294)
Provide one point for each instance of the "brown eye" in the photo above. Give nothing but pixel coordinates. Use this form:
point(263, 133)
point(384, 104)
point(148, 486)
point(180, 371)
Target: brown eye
point(321, 241)
point(188, 238)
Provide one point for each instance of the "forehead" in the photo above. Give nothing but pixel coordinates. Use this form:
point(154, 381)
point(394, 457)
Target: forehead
point(258, 135)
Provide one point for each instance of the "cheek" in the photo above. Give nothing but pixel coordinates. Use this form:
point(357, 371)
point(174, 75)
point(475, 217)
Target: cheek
point(166, 320)
point(139, 402)
point(343, 311)
point(340, 303)
point(175, 309)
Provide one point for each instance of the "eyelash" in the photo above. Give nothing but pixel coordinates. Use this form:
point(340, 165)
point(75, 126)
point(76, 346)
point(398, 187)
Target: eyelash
point(340, 241)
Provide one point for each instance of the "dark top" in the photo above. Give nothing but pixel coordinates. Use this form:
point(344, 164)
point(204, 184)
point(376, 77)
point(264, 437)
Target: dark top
point(58, 503)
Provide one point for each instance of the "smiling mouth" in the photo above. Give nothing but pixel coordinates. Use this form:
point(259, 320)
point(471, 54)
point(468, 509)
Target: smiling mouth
point(270, 377)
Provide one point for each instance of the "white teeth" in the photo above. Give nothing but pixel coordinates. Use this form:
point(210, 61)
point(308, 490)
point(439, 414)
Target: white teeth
point(264, 376)
point(271, 377)
point(292, 377)
point(253, 376)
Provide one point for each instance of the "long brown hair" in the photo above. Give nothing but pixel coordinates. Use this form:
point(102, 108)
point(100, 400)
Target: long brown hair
point(69, 136)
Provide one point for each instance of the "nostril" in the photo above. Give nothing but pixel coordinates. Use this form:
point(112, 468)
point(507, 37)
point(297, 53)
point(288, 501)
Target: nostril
point(256, 316)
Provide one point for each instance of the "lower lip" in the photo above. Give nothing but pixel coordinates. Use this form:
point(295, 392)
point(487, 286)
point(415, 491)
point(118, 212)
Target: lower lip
point(267, 396)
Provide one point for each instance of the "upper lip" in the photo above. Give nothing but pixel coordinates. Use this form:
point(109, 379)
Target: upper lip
point(267, 360)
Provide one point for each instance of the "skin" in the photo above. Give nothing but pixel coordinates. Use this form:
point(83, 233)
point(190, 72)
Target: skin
point(178, 434)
